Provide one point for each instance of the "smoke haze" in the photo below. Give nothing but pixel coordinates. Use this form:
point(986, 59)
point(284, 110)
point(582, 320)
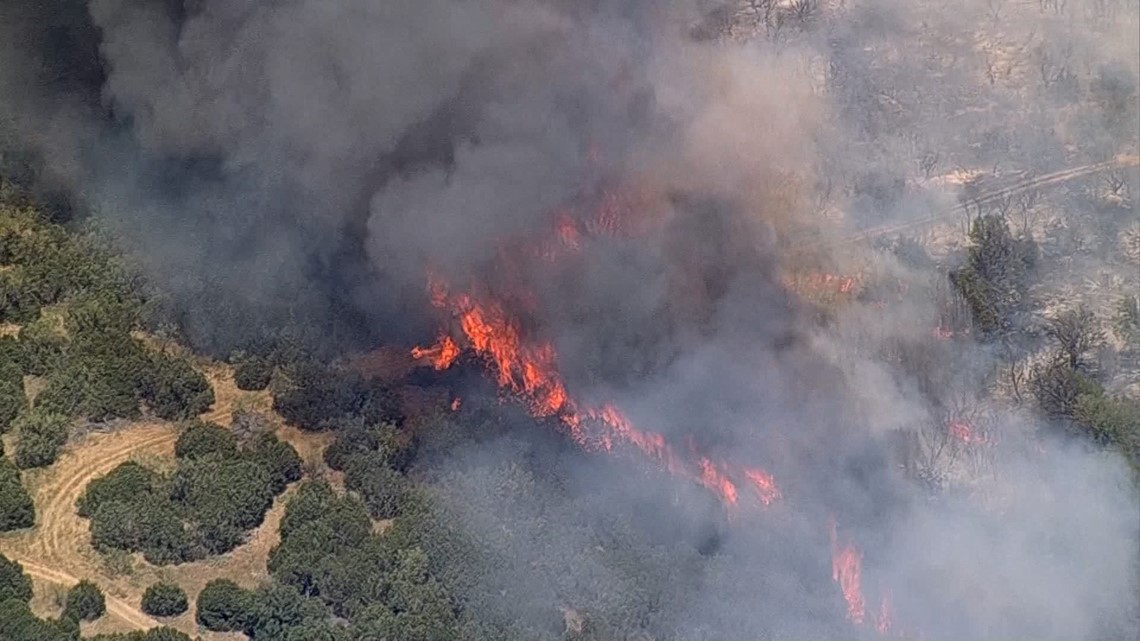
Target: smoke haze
point(318, 159)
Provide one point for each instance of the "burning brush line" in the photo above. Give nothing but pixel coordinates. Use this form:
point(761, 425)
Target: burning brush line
point(529, 371)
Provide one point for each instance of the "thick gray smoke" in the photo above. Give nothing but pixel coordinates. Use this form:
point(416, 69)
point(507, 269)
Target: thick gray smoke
point(326, 154)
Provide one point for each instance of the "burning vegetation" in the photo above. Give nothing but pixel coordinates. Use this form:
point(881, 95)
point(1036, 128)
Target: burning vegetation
point(639, 404)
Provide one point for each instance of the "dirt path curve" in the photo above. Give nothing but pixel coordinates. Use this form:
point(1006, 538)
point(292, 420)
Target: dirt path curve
point(116, 607)
point(1057, 177)
point(58, 550)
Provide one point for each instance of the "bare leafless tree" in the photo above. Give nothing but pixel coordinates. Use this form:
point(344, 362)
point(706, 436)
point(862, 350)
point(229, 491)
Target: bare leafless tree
point(1117, 183)
point(1076, 332)
point(804, 11)
point(928, 162)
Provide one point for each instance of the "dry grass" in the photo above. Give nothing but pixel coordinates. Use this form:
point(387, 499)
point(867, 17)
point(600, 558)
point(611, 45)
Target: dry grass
point(58, 552)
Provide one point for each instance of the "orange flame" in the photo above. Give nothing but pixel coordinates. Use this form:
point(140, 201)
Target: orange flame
point(715, 479)
point(441, 355)
point(456, 403)
point(764, 484)
point(530, 371)
point(846, 568)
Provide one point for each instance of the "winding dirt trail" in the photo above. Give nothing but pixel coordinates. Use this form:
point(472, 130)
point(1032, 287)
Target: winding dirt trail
point(58, 550)
point(1016, 188)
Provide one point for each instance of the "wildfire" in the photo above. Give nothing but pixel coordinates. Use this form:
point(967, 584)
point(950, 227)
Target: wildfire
point(965, 432)
point(883, 621)
point(764, 484)
point(441, 355)
point(823, 282)
point(530, 372)
point(846, 568)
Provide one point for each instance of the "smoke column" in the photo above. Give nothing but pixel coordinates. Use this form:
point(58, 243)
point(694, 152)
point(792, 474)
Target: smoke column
point(326, 159)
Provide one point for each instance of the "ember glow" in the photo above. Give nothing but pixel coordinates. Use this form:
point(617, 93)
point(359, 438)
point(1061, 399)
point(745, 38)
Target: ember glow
point(823, 283)
point(965, 432)
point(883, 620)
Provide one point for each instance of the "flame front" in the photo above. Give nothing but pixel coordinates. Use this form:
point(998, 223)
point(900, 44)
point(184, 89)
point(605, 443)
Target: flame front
point(530, 372)
point(846, 570)
point(764, 484)
point(441, 355)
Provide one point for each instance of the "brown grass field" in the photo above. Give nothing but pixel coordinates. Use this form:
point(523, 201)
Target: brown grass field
point(57, 553)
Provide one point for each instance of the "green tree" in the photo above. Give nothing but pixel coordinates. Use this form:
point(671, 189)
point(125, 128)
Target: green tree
point(17, 623)
point(278, 609)
point(164, 600)
point(200, 439)
point(1126, 321)
point(12, 398)
point(1110, 421)
point(252, 373)
point(14, 584)
point(309, 504)
point(224, 607)
point(397, 448)
point(382, 488)
point(85, 602)
point(996, 274)
point(224, 499)
point(173, 389)
point(42, 434)
point(126, 483)
point(16, 507)
point(97, 390)
point(278, 459)
point(43, 344)
point(150, 524)
point(307, 394)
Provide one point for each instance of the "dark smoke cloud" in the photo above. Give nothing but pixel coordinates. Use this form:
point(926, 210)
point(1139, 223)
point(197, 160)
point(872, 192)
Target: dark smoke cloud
point(317, 158)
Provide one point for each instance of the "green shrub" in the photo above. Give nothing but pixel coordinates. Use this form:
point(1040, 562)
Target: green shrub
point(382, 488)
point(995, 278)
point(395, 447)
point(200, 439)
point(278, 459)
point(126, 483)
point(309, 504)
point(223, 606)
point(225, 499)
point(14, 584)
point(1111, 421)
point(17, 623)
point(173, 389)
point(307, 394)
point(95, 390)
point(12, 398)
point(164, 600)
point(12, 402)
point(1057, 387)
point(16, 507)
point(42, 434)
point(85, 602)
point(252, 374)
point(149, 524)
point(42, 346)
